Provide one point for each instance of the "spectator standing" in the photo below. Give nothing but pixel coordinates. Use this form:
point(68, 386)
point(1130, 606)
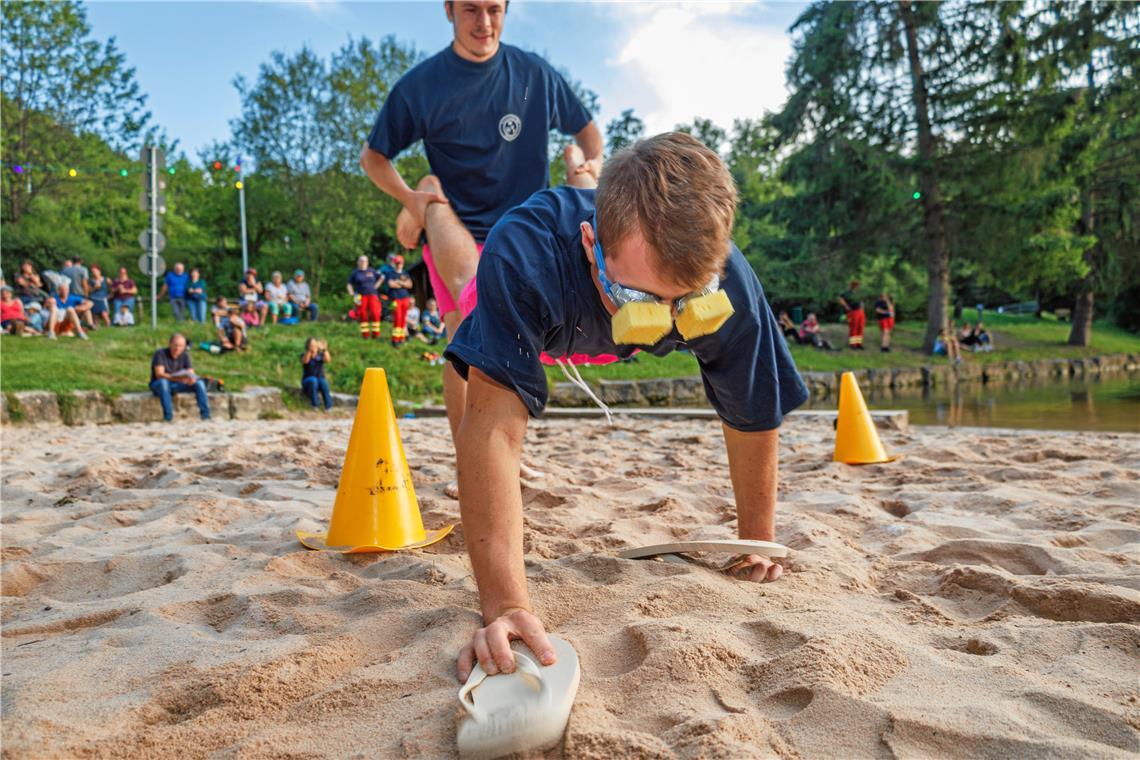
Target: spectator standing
point(171, 372)
point(175, 283)
point(313, 381)
point(196, 296)
point(74, 270)
point(885, 313)
point(99, 295)
point(365, 282)
point(301, 296)
point(277, 297)
point(399, 284)
point(252, 292)
point(123, 291)
point(852, 304)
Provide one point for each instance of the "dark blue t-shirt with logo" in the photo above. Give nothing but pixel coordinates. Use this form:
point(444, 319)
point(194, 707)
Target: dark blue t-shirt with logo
point(536, 293)
point(485, 127)
point(364, 281)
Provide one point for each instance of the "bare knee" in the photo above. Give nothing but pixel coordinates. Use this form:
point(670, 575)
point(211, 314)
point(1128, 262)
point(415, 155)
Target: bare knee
point(430, 184)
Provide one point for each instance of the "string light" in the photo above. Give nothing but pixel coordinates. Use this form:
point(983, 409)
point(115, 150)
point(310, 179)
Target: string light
point(18, 169)
point(72, 173)
point(238, 184)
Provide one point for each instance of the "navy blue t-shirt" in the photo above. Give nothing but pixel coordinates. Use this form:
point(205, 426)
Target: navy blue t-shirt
point(314, 368)
point(485, 127)
point(176, 283)
point(364, 281)
point(536, 294)
point(395, 291)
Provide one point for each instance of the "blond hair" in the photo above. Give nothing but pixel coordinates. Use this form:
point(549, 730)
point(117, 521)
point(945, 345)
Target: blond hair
point(679, 195)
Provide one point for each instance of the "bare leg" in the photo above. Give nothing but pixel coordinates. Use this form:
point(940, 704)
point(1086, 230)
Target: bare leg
point(452, 246)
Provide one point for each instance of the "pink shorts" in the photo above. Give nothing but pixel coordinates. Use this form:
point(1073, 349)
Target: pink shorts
point(442, 294)
point(469, 298)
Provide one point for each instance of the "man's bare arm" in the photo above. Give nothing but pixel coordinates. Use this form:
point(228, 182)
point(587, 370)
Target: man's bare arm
point(753, 464)
point(488, 448)
point(380, 170)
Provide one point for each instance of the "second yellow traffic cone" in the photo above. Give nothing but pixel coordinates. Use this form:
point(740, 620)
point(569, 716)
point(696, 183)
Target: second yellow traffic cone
point(375, 508)
point(856, 439)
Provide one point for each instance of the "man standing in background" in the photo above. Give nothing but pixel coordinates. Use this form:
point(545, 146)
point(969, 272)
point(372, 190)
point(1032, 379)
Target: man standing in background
point(365, 283)
point(484, 111)
point(852, 304)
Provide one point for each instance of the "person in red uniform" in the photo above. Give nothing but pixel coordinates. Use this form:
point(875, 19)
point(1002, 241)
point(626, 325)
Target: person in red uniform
point(365, 282)
point(399, 283)
point(852, 303)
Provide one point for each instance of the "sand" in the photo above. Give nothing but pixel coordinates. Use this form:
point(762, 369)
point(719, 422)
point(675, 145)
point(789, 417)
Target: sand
point(979, 598)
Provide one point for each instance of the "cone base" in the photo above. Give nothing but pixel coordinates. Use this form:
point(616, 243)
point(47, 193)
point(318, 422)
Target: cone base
point(888, 460)
point(317, 541)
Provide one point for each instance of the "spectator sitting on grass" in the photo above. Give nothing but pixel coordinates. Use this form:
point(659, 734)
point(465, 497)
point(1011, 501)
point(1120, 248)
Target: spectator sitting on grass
point(171, 372)
point(123, 291)
point(13, 319)
point(29, 285)
point(810, 333)
point(984, 340)
point(98, 294)
point(313, 379)
point(65, 312)
point(412, 321)
point(788, 327)
point(947, 345)
point(74, 271)
point(220, 310)
point(37, 318)
point(232, 330)
point(300, 296)
point(252, 292)
point(124, 317)
point(249, 315)
point(431, 323)
point(277, 297)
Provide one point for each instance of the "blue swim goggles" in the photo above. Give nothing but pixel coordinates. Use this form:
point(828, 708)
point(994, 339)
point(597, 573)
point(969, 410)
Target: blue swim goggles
point(644, 319)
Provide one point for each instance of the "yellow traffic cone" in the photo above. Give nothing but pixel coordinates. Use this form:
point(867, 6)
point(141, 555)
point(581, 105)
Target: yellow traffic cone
point(375, 508)
point(856, 440)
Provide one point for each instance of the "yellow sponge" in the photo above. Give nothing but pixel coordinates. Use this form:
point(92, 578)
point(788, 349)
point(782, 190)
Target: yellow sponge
point(704, 315)
point(642, 322)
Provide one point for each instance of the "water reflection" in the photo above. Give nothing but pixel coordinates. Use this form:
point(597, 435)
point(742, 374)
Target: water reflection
point(1108, 403)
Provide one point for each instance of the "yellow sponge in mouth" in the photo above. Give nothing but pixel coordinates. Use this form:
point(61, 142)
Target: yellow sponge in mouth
point(642, 323)
point(704, 315)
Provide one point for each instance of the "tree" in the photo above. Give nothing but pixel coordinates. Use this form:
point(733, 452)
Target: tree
point(705, 131)
point(59, 85)
point(624, 131)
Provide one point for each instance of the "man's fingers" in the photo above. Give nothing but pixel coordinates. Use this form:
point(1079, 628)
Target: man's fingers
point(483, 653)
point(500, 645)
point(466, 662)
point(534, 636)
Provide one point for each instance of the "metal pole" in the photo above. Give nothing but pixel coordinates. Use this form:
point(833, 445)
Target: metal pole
point(154, 238)
point(241, 204)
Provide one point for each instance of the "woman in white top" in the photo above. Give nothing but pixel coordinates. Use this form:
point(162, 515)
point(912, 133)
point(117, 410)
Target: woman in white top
point(277, 297)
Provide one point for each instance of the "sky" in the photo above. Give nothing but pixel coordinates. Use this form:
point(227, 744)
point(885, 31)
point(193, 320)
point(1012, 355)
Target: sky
point(668, 61)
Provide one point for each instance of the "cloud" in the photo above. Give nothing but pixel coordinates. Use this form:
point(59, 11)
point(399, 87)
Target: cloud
point(717, 60)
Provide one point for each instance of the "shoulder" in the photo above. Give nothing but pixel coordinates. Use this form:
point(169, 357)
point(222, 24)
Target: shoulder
point(542, 219)
point(429, 67)
point(529, 59)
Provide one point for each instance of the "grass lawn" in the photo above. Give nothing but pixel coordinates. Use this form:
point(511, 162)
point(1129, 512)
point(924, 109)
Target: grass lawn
point(117, 360)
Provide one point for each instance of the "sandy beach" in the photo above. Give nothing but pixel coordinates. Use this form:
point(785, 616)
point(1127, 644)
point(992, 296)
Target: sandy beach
point(980, 597)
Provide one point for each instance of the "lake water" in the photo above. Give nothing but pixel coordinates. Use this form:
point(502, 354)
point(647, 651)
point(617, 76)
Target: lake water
point(1111, 403)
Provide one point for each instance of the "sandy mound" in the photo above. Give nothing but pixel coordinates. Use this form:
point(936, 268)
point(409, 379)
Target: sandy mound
point(979, 598)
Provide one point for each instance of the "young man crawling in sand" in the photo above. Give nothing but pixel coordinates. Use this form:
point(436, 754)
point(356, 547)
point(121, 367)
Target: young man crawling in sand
point(553, 275)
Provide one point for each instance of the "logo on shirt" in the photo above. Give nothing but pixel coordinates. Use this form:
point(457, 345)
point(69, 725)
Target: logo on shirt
point(510, 126)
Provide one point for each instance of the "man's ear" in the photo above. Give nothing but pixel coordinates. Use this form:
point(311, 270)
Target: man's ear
point(449, 9)
point(588, 241)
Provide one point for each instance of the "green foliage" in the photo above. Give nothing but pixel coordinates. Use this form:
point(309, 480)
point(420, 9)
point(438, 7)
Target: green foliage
point(623, 131)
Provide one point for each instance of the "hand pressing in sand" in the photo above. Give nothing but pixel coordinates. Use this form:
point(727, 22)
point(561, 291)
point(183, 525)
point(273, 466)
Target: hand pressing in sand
point(753, 567)
point(491, 644)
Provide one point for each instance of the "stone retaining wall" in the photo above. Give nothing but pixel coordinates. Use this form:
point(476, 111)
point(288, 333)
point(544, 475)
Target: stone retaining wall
point(95, 408)
point(681, 391)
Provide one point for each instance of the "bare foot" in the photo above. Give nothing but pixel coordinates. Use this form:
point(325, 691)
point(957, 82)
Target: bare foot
point(579, 172)
point(407, 231)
